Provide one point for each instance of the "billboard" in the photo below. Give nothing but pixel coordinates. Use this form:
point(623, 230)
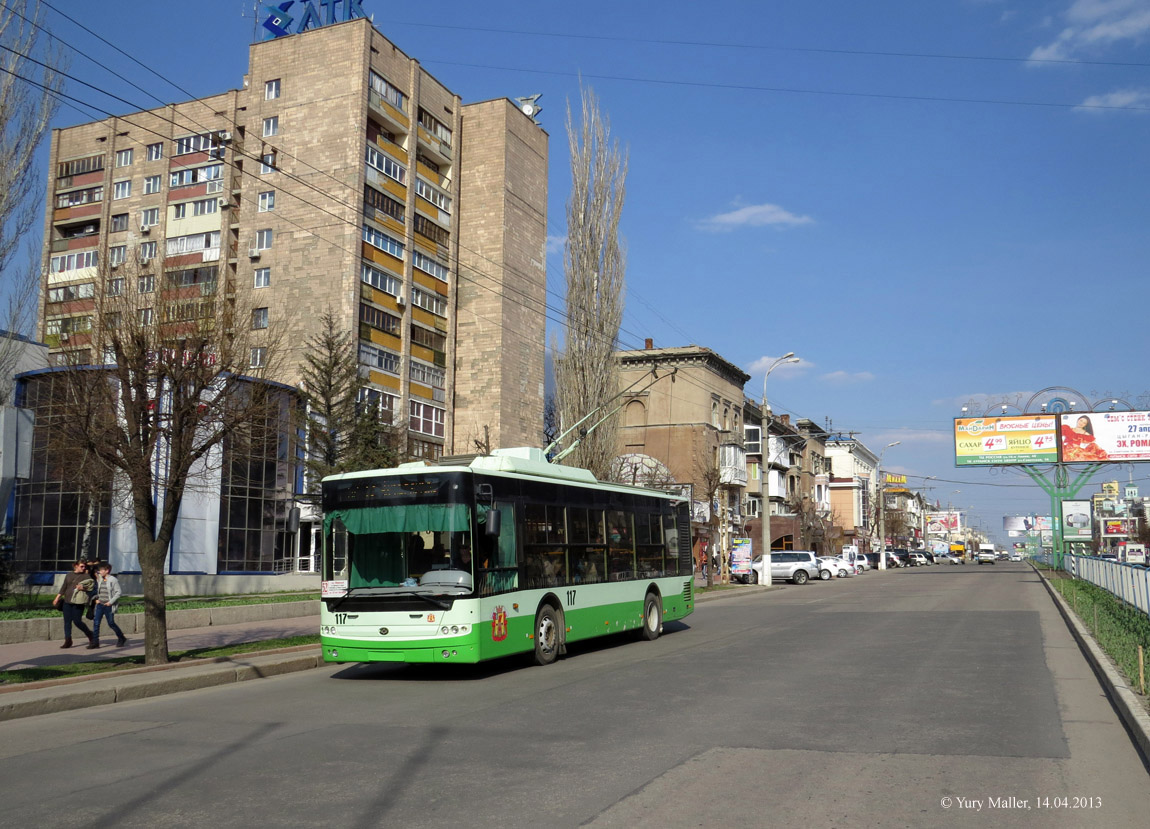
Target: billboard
point(1019, 525)
point(941, 523)
point(741, 557)
point(1113, 527)
point(1013, 439)
point(1104, 436)
point(1077, 523)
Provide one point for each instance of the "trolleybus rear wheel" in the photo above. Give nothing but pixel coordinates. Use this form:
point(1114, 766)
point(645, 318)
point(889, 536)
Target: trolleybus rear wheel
point(652, 617)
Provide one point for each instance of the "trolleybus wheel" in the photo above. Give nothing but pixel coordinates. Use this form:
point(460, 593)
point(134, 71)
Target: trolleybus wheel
point(546, 635)
point(652, 617)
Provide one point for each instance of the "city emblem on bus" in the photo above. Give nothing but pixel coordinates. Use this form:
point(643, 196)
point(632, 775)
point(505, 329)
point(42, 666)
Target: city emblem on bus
point(431, 617)
point(499, 624)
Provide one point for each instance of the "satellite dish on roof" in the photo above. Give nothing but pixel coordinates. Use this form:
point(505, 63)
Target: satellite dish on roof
point(529, 106)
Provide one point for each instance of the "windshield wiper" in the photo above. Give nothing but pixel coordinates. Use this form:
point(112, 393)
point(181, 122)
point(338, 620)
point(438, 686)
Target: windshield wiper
point(429, 599)
point(346, 596)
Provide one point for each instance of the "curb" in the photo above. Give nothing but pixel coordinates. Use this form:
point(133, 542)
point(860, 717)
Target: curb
point(74, 693)
point(1126, 702)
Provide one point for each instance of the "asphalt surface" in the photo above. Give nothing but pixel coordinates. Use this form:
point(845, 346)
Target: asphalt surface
point(933, 697)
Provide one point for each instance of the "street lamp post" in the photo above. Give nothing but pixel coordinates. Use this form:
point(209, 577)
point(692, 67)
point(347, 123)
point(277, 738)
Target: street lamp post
point(882, 509)
point(789, 357)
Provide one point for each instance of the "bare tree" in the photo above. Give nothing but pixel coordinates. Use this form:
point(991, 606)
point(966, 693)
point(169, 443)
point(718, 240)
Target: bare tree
point(29, 77)
point(594, 265)
point(708, 482)
point(180, 369)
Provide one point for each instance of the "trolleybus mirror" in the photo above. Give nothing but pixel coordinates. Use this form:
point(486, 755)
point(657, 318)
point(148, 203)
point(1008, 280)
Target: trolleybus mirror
point(492, 526)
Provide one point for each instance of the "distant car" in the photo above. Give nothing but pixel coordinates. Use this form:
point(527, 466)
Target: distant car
point(947, 558)
point(894, 559)
point(1016, 556)
point(929, 556)
point(798, 566)
point(1108, 556)
point(917, 560)
point(987, 557)
point(862, 563)
point(839, 566)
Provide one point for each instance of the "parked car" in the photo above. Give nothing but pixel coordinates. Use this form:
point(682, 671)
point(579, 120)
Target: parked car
point(839, 566)
point(873, 559)
point(893, 559)
point(947, 558)
point(798, 566)
point(929, 556)
point(917, 560)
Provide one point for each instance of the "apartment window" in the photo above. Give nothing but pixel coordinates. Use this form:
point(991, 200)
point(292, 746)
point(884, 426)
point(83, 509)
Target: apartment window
point(195, 143)
point(259, 318)
point(117, 254)
point(267, 201)
point(146, 316)
point(151, 184)
point(146, 284)
point(429, 302)
point(428, 375)
point(205, 276)
point(271, 89)
point(263, 277)
point(264, 239)
point(74, 198)
point(383, 280)
point(119, 222)
point(436, 197)
point(68, 293)
point(382, 203)
point(386, 165)
point(379, 358)
point(424, 449)
point(426, 337)
point(196, 175)
point(380, 319)
point(147, 251)
point(379, 239)
point(123, 158)
point(180, 211)
point(79, 166)
point(193, 243)
point(115, 287)
point(74, 261)
point(426, 419)
point(387, 91)
point(271, 126)
point(433, 125)
point(150, 217)
point(431, 230)
point(155, 151)
point(428, 265)
point(121, 189)
point(753, 439)
point(204, 207)
point(259, 357)
point(268, 163)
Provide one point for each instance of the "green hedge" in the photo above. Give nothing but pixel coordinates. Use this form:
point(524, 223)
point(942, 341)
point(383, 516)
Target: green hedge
point(1118, 627)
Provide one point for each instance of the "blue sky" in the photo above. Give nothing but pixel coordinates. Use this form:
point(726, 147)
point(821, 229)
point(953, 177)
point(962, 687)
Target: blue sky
point(932, 204)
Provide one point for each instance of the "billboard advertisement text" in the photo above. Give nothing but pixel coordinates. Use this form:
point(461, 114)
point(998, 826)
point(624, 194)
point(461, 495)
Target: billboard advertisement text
point(1105, 436)
point(1013, 439)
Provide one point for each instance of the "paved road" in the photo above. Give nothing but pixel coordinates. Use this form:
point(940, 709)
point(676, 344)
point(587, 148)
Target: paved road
point(873, 701)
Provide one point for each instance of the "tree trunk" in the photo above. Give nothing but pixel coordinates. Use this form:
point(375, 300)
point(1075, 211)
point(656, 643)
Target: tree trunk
point(152, 554)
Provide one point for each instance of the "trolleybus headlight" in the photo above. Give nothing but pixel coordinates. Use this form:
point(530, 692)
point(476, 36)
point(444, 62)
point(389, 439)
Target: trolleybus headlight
point(444, 630)
point(455, 628)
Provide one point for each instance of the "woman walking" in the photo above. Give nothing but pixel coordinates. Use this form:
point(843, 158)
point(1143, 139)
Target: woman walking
point(73, 597)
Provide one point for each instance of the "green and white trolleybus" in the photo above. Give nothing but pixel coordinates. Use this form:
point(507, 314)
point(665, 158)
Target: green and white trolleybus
point(505, 554)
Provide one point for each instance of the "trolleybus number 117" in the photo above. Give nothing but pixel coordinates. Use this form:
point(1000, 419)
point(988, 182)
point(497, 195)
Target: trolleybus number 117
point(570, 597)
point(341, 618)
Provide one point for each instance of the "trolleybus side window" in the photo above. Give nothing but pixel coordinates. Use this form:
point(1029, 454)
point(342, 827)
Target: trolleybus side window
point(545, 545)
point(620, 546)
point(671, 535)
point(587, 553)
point(649, 544)
point(496, 559)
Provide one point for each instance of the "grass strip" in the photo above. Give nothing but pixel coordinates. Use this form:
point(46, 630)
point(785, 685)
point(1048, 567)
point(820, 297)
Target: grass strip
point(1119, 628)
point(107, 666)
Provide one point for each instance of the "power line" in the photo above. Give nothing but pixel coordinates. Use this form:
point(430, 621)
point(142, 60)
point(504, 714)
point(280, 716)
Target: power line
point(773, 48)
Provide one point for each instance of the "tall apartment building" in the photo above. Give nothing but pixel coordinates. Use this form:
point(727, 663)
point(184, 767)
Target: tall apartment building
point(342, 176)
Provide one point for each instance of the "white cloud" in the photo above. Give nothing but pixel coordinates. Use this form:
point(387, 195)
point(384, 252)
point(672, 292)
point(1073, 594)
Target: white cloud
point(555, 244)
point(1134, 98)
point(842, 378)
point(752, 215)
point(1094, 25)
point(783, 370)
